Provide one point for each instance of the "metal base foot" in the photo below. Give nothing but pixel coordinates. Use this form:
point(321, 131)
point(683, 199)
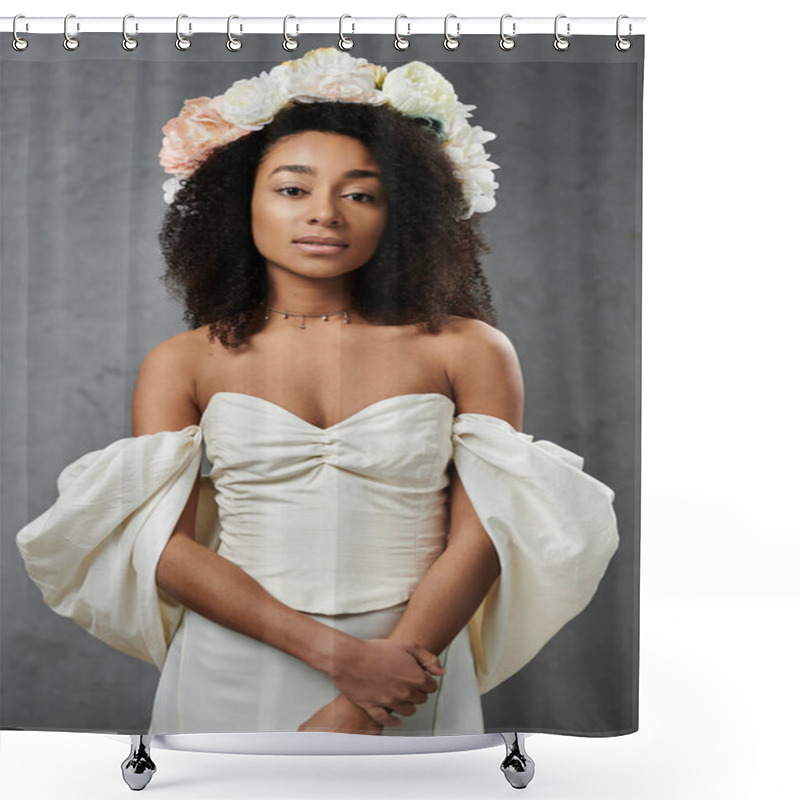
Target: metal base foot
point(138, 767)
point(517, 766)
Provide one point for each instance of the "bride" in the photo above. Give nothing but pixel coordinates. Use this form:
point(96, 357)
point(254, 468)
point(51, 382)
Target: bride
point(330, 180)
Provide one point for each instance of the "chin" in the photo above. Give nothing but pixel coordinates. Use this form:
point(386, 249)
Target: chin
point(320, 270)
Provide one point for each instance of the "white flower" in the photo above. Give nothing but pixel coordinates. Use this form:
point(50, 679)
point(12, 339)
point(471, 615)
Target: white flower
point(251, 103)
point(465, 148)
point(418, 90)
point(170, 187)
point(327, 74)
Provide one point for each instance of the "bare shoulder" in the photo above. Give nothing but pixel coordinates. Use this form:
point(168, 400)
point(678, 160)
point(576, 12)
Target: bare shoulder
point(484, 370)
point(164, 395)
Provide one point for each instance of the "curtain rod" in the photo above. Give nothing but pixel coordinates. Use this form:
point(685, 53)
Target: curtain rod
point(297, 25)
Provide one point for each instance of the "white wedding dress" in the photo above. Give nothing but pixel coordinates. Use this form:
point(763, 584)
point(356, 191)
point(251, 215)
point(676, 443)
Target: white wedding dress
point(340, 523)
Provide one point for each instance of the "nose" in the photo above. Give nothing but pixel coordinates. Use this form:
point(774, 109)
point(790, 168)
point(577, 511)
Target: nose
point(325, 211)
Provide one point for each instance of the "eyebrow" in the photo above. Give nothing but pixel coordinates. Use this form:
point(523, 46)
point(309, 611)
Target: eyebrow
point(302, 168)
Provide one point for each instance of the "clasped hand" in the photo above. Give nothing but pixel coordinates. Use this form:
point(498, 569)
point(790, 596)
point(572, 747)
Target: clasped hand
point(385, 675)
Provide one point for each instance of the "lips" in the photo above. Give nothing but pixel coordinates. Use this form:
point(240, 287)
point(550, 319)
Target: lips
point(329, 240)
point(320, 249)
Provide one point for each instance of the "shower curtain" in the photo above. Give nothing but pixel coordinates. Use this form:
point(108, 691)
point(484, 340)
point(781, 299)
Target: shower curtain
point(554, 645)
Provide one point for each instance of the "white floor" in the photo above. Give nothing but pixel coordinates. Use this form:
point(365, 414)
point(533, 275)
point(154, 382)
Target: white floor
point(720, 703)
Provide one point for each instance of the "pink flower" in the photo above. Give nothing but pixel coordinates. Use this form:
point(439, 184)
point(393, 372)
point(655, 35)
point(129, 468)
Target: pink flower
point(189, 137)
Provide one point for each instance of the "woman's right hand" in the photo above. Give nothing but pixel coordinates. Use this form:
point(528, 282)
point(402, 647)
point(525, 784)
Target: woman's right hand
point(385, 675)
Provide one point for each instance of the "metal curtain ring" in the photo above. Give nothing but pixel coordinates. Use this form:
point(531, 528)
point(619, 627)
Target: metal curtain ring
point(288, 42)
point(344, 42)
point(182, 43)
point(560, 42)
point(451, 42)
point(233, 44)
point(128, 42)
point(19, 43)
point(400, 42)
point(506, 42)
point(623, 44)
point(70, 43)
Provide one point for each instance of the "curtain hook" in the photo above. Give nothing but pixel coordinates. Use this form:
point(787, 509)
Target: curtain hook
point(400, 42)
point(560, 42)
point(344, 42)
point(182, 43)
point(623, 44)
point(19, 43)
point(129, 42)
point(506, 41)
point(451, 42)
point(288, 42)
point(70, 43)
point(233, 44)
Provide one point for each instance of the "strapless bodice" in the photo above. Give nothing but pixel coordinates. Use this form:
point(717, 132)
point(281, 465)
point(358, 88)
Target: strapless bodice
point(331, 520)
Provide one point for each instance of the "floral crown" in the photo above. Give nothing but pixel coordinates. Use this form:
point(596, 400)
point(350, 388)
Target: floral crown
point(329, 75)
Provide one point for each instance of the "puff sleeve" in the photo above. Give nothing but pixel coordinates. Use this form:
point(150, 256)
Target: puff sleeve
point(554, 530)
point(93, 553)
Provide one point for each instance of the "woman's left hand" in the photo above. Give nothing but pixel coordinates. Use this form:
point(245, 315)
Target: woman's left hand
point(341, 715)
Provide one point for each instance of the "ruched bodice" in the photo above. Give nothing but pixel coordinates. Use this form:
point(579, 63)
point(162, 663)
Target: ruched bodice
point(331, 520)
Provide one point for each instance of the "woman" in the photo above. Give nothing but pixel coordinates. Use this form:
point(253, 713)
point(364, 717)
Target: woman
point(358, 407)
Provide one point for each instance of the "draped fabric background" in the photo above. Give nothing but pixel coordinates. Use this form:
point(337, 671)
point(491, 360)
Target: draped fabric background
point(81, 305)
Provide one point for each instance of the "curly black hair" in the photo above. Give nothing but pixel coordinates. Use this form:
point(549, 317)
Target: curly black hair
point(426, 265)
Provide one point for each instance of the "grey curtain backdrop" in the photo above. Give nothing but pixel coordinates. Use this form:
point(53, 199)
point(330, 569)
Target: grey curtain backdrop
point(82, 303)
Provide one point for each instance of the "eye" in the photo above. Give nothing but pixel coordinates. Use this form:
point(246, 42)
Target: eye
point(292, 189)
point(369, 197)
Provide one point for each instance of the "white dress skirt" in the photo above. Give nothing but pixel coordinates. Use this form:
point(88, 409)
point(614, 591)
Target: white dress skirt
point(256, 687)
